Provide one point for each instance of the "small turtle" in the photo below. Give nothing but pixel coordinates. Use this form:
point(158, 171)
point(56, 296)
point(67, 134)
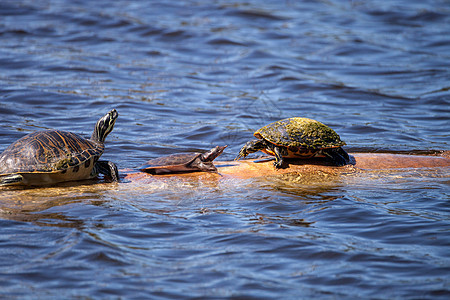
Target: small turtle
point(52, 156)
point(183, 162)
point(297, 138)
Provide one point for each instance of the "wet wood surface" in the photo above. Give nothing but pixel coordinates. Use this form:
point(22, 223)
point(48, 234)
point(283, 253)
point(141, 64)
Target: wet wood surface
point(361, 162)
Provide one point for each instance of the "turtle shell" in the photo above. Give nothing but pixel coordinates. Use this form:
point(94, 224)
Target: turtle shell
point(175, 163)
point(300, 132)
point(50, 156)
point(183, 162)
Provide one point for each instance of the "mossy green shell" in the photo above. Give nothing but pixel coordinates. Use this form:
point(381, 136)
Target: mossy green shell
point(301, 133)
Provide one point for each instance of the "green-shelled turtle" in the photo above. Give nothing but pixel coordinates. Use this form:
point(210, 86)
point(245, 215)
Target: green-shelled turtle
point(297, 138)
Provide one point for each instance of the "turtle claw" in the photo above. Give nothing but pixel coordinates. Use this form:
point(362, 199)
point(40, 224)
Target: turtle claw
point(114, 172)
point(108, 169)
point(278, 165)
point(279, 162)
point(241, 155)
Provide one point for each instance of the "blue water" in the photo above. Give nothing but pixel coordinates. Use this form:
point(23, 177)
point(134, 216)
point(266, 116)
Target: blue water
point(190, 75)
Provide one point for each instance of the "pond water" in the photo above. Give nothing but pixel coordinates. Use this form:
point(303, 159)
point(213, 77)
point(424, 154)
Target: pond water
point(190, 75)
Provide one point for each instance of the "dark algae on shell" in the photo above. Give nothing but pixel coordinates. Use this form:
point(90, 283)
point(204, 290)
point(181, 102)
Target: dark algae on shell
point(300, 132)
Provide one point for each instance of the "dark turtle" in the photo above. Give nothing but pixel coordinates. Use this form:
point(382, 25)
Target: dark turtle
point(183, 163)
point(297, 138)
point(52, 156)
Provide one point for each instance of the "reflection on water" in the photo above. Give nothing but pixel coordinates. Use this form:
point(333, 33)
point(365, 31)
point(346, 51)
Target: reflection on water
point(35, 204)
point(190, 75)
point(305, 227)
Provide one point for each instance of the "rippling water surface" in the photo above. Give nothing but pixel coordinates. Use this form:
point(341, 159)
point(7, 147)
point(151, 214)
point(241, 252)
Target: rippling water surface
point(189, 75)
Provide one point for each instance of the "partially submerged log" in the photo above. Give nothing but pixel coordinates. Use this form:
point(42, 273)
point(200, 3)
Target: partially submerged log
point(361, 162)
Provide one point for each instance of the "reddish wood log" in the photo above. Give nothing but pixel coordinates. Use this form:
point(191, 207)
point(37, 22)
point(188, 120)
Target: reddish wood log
point(245, 169)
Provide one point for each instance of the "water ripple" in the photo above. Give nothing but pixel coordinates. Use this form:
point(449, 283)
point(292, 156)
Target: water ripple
point(189, 75)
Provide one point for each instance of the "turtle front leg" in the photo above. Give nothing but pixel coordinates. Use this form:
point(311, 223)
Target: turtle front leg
point(251, 147)
point(279, 162)
point(107, 168)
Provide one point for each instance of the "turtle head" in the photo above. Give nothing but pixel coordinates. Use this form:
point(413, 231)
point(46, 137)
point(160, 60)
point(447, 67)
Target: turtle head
point(104, 126)
point(213, 153)
point(250, 147)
